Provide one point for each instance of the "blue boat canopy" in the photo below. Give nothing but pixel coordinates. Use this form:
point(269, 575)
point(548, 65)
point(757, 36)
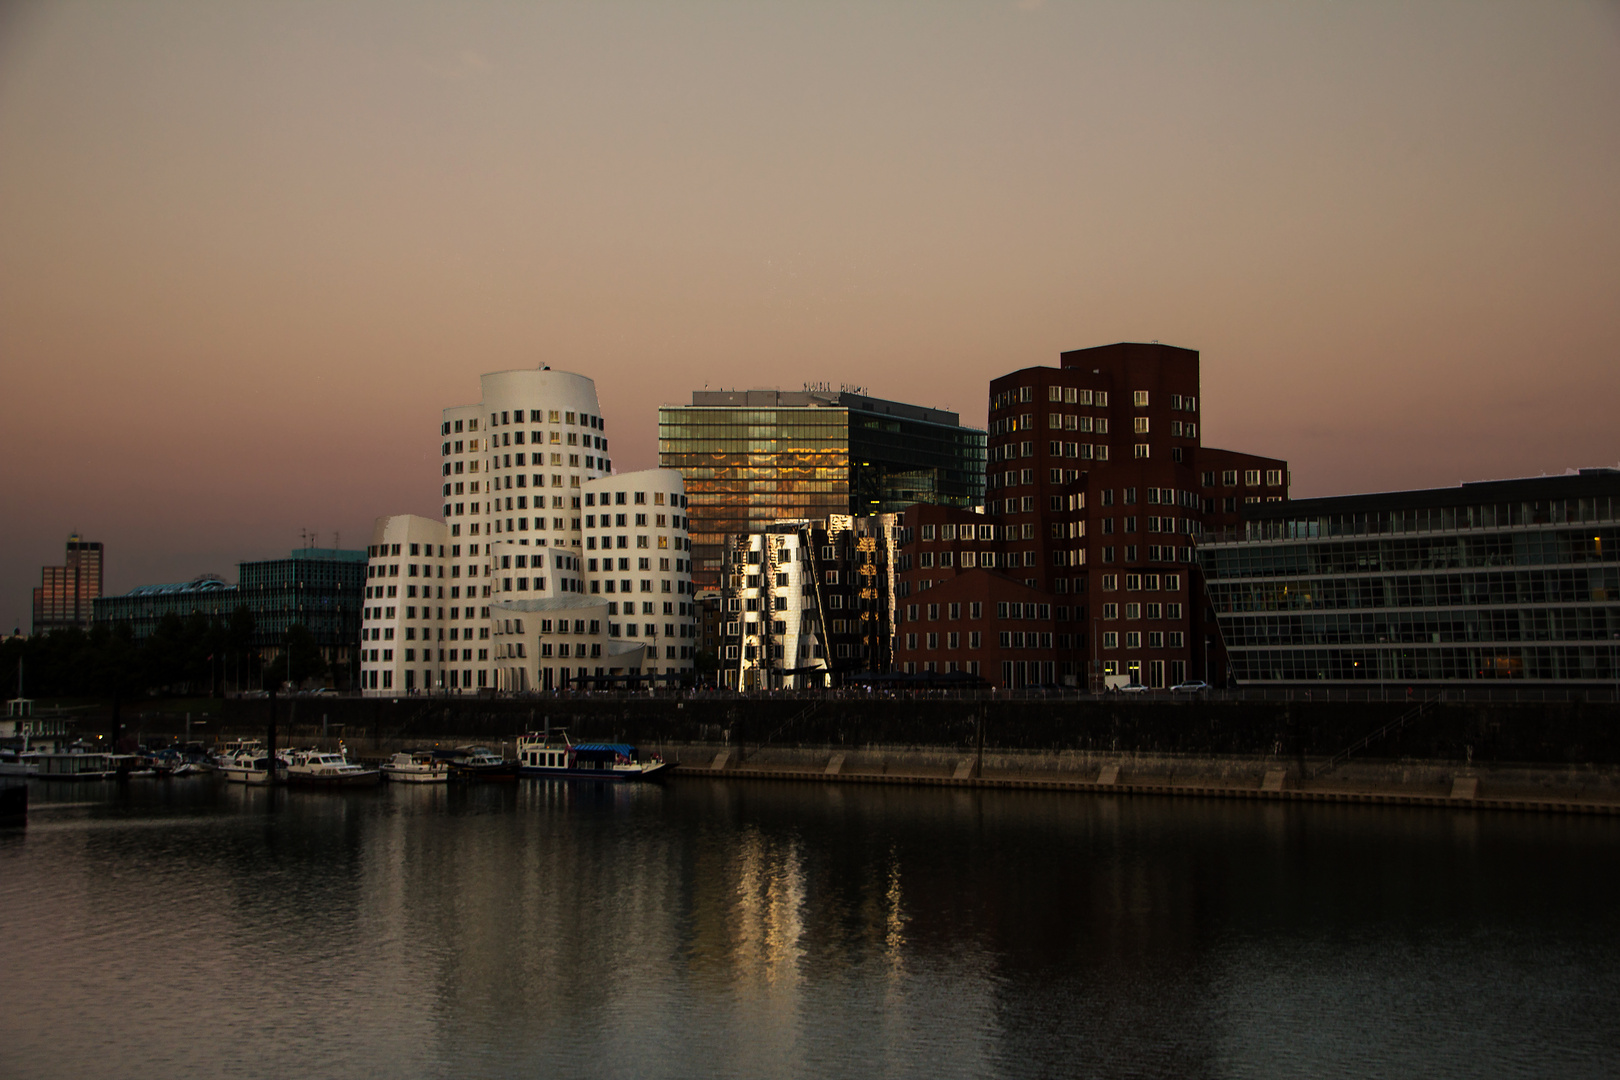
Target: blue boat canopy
point(618, 748)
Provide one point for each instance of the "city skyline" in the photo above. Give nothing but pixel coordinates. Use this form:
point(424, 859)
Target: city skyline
point(249, 255)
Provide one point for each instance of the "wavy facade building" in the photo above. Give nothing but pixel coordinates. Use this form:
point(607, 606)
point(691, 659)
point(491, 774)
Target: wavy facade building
point(538, 534)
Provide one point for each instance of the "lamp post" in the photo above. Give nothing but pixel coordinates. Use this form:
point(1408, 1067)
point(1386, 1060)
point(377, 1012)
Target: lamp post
point(1096, 657)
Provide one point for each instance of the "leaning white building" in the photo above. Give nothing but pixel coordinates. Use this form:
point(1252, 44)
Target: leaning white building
point(522, 595)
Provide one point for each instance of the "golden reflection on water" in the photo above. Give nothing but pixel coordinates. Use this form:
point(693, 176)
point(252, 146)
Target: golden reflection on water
point(738, 930)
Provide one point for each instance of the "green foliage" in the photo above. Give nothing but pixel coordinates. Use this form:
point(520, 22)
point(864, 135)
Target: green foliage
point(182, 656)
point(299, 660)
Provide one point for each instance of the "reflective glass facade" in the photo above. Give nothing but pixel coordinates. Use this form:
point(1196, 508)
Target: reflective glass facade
point(750, 458)
point(1515, 579)
point(66, 593)
point(320, 588)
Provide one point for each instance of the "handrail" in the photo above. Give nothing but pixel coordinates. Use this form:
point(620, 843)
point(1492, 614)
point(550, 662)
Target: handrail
point(1396, 724)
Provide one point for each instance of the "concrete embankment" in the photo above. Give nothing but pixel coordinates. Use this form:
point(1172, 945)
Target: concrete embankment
point(1554, 757)
point(1570, 789)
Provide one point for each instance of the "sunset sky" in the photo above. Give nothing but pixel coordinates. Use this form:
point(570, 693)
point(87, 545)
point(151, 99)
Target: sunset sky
point(248, 251)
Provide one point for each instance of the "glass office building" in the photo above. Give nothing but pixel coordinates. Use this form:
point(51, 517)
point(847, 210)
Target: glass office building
point(320, 588)
point(1506, 580)
point(753, 457)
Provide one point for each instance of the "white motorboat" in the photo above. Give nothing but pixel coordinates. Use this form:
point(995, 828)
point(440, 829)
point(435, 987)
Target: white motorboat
point(320, 768)
point(417, 767)
point(247, 766)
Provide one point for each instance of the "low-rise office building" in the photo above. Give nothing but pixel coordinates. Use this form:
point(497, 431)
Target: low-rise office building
point(317, 588)
point(1512, 581)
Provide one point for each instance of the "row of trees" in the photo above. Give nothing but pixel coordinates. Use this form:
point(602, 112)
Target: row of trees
point(196, 655)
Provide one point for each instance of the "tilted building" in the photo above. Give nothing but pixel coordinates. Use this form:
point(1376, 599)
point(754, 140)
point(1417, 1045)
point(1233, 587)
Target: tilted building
point(807, 603)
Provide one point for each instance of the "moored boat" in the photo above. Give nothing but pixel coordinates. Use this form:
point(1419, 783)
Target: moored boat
point(322, 768)
point(19, 763)
point(557, 756)
point(79, 765)
point(479, 763)
point(416, 767)
point(246, 767)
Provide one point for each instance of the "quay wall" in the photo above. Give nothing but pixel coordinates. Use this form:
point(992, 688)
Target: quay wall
point(1555, 734)
point(1553, 756)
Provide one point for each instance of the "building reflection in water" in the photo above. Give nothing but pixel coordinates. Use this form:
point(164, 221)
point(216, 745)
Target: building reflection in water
point(730, 929)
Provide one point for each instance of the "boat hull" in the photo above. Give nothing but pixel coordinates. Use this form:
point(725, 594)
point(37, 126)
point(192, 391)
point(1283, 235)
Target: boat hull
point(362, 778)
point(505, 771)
point(236, 775)
point(653, 773)
point(400, 776)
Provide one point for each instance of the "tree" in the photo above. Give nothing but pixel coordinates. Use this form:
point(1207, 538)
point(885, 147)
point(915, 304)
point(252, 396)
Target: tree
point(300, 659)
point(239, 640)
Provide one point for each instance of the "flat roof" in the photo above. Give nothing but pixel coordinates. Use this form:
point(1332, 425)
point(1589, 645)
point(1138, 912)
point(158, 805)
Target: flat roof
point(1587, 483)
point(820, 399)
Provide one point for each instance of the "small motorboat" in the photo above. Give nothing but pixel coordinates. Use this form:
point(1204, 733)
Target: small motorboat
point(416, 767)
point(250, 765)
point(479, 763)
point(322, 768)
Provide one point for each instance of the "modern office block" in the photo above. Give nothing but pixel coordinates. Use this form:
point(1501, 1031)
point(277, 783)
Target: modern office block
point(754, 457)
point(67, 593)
point(1499, 583)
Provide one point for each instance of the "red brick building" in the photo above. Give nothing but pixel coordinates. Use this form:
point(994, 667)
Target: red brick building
point(1099, 487)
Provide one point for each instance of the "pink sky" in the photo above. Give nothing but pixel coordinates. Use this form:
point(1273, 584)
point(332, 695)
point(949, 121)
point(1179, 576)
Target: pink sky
point(248, 251)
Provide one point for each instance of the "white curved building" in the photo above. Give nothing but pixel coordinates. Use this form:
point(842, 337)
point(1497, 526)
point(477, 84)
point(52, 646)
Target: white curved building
point(526, 479)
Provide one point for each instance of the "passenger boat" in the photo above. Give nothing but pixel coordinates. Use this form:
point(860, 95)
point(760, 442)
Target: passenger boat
point(320, 768)
point(416, 767)
point(480, 763)
point(81, 765)
point(19, 763)
point(557, 756)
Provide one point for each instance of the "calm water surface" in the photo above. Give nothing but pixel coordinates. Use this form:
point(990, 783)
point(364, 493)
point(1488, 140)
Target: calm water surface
point(728, 929)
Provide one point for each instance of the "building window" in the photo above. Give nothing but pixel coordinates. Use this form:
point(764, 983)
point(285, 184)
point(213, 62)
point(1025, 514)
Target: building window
point(1141, 399)
point(1142, 450)
point(1110, 640)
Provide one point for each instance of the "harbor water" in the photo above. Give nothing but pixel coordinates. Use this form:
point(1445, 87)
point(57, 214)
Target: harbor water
point(747, 929)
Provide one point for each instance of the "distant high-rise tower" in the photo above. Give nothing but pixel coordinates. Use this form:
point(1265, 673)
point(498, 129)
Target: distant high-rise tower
point(66, 593)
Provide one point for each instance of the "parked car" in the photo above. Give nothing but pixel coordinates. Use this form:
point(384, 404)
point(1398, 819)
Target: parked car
point(1191, 686)
point(1134, 688)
